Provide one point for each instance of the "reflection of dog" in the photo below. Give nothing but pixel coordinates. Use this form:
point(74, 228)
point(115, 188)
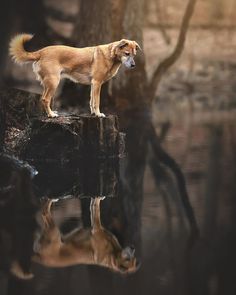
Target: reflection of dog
point(91, 65)
point(95, 245)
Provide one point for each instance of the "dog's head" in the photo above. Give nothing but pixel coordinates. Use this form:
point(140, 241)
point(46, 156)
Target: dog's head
point(125, 51)
point(126, 262)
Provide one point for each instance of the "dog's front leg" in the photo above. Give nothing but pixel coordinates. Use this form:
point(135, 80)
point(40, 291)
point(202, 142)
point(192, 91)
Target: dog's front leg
point(96, 89)
point(91, 102)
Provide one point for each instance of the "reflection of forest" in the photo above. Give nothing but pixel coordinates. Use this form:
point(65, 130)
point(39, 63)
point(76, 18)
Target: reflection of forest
point(206, 153)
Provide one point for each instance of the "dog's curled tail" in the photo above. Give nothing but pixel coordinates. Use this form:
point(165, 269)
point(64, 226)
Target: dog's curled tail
point(18, 52)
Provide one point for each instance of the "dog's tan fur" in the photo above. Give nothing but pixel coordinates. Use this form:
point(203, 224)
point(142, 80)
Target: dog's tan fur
point(94, 245)
point(90, 65)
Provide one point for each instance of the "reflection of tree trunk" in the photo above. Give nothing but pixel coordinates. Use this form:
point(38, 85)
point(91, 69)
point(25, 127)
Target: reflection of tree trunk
point(214, 177)
point(161, 156)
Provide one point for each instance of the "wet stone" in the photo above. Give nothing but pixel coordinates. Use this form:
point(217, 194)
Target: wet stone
point(67, 137)
point(77, 178)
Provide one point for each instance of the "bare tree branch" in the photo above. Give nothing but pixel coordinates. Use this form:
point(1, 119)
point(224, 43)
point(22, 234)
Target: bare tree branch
point(162, 29)
point(172, 58)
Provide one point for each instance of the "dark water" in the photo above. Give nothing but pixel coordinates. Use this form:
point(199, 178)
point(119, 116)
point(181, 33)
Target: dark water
point(146, 206)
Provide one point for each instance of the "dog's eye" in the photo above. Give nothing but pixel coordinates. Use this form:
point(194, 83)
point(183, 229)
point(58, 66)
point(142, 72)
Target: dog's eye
point(127, 53)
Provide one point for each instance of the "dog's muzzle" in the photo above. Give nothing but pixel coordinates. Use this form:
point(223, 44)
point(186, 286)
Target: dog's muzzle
point(128, 62)
point(128, 252)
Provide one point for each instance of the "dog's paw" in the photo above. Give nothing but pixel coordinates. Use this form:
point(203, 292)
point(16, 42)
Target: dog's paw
point(53, 115)
point(54, 200)
point(100, 115)
point(97, 200)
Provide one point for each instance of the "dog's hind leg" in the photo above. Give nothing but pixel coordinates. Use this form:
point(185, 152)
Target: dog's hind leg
point(95, 213)
point(50, 239)
point(50, 83)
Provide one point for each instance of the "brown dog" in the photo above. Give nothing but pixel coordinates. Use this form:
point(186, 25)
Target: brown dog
point(94, 245)
point(90, 65)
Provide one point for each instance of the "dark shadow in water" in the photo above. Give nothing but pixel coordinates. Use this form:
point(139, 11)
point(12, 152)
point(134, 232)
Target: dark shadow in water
point(160, 156)
point(18, 206)
point(77, 177)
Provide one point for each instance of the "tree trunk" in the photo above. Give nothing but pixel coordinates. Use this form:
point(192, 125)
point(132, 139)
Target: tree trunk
point(17, 17)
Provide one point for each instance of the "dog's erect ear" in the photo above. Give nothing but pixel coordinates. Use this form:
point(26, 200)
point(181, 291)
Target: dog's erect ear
point(137, 46)
point(122, 43)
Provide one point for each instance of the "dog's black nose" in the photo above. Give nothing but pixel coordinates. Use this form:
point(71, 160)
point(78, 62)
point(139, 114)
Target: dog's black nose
point(132, 65)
